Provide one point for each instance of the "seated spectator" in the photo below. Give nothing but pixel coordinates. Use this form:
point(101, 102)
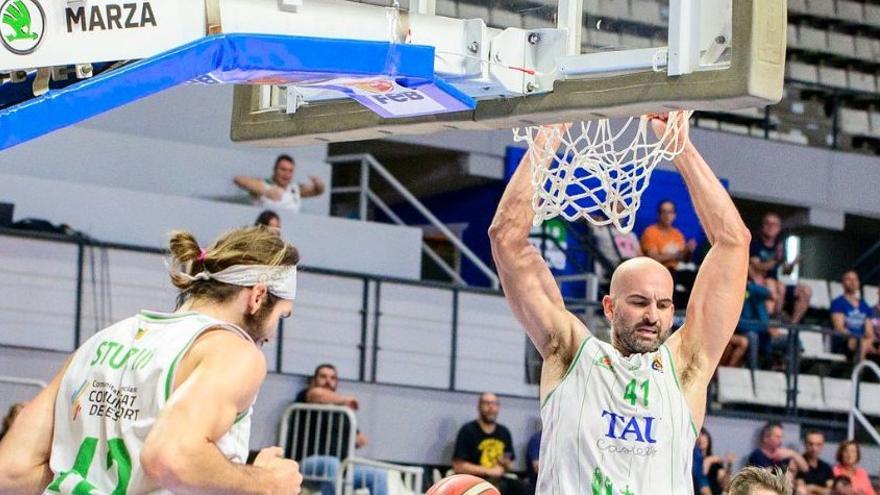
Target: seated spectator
point(10, 417)
point(850, 318)
point(759, 481)
point(716, 468)
point(701, 481)
point(322, 390)
point(770, 452)
point(484, 448)
point(841, 485)
point(816, 480)
point(269, 219)
point(533, 451)
point(754, 324)
point(280, 191)
point(666, 244)
point(767, 258)
point(849, 454)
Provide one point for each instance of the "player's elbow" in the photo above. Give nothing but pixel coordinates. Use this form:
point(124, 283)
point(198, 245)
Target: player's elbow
point(736, 234)
point(167, 464)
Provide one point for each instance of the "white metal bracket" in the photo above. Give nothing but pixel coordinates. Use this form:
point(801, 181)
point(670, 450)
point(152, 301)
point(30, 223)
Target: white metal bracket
point(295, 100)
point(684, 36)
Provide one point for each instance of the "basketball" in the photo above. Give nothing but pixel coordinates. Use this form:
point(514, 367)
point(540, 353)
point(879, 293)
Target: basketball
point(463, 484)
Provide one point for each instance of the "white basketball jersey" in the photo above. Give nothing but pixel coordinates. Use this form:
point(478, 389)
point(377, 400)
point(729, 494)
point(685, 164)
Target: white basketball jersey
point(617, 425)
point(111, 395)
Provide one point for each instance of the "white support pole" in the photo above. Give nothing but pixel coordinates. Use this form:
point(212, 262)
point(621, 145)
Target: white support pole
point(570, 14)
point(684, 36)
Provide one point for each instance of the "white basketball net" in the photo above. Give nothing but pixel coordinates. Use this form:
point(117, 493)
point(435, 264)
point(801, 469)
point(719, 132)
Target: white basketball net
point(584, 172)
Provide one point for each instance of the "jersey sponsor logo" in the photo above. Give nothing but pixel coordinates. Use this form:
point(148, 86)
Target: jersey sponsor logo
point(140, 333)
point(657, 364)
point(22, 25)
point(76, 399)
point(111, 16)
point(629, 428)
point(118, 356)
point(636, 450)
point(116, 403)
point(604, 361)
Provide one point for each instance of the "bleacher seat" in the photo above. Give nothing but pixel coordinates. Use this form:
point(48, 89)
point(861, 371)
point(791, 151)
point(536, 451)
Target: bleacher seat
point(869, 398)
point(835, 289)
point(504, 18)
point(820, 299)
point(867, 48)
point(872, 14)
point(875, 123)
point(797, 6)
point(735, 385)
point(633, 41)
point(770, 388)
point(832, 76)
point(802, 72)
point(446, 8)
point(862, 81)
point(838, 394)
point(855, 122)
point(606, 39)
point(813, 39)
point(841, 44)
point(618, 9)
point(814, 347)
point(850, 11)
point(871, 293)
point(472, 11)
point(792, 34)
point(810, 393)
point(821, 8)
point(647, 11)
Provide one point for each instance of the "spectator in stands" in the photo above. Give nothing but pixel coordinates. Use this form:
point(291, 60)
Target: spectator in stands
point(701, 481)
point(841, 485)
point(533, 451)
point(771, 453)
point(817, 479)
point(767, 258)
point(269, 219)
point(666, 244)
point(10, 417)
point(322, 390)
point(850, 318)
point(280, 191)
point(484, 448)
point(716, 468)
point(758, 481)
point(754, 324)
point(848, 456)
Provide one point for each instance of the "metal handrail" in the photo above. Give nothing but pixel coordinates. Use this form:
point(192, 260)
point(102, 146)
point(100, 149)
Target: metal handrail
point(854, 412)
point(284, 428)
point(412, 475)
point(374, 164)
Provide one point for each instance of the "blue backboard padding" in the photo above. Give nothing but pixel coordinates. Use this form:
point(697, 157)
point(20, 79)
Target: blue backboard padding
point(219, 58)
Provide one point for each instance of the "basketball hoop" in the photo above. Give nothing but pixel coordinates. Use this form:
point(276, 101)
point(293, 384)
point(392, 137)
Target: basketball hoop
point(595, 170)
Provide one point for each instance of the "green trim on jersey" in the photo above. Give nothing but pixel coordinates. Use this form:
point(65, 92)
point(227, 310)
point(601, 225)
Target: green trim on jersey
point(568, 372)
point(241, 416)
point(165, 317)
point(675, 375)
point(170, 376)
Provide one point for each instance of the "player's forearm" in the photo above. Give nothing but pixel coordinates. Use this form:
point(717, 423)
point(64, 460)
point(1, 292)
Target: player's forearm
point(717, 213)
point(203, 470)
point(321, 395)
point(464, 467)
point(513, 220)
point(27, 481)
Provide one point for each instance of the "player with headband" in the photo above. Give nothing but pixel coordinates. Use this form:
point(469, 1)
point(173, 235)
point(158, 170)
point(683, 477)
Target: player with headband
point(161, 402)
point(622, 418)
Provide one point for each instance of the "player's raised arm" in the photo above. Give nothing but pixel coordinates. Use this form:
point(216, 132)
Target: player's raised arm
point(717, 297)
point(528, 285)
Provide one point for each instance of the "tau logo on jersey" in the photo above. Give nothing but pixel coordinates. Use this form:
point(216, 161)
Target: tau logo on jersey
point(657, 364)
point(629, 428)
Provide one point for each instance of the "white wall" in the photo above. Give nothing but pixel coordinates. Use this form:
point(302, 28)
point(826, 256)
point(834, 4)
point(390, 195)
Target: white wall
point(142, 218)
point(176, 143)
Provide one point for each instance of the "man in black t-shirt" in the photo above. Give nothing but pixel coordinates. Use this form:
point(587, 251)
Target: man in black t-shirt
point(817, 480)
point(766, 259)
point(484, 448)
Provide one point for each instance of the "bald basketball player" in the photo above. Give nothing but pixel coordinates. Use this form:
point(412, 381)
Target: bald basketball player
point(161, 403)
point(622, 418)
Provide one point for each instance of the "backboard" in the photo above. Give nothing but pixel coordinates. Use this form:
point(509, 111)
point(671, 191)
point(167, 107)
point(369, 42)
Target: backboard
point(530, 61)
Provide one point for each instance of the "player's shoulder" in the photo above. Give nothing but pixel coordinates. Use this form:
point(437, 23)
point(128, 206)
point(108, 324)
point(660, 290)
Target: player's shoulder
point(218, 344)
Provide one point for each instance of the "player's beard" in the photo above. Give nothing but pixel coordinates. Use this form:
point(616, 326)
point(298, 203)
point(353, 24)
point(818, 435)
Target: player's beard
point(625, 338)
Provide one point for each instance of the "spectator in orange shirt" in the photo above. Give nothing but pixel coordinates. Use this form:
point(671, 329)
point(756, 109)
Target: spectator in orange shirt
point(666, 244)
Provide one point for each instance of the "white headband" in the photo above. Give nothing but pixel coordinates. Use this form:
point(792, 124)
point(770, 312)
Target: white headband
point(280, 280)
